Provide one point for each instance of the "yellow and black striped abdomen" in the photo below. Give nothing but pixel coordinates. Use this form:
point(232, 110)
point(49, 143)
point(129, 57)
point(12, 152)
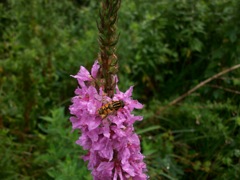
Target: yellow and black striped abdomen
point(110, 108)
point(117, 104)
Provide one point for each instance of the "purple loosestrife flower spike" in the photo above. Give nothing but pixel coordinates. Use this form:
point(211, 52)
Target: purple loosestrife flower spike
point(113, 147)
point(103, 117)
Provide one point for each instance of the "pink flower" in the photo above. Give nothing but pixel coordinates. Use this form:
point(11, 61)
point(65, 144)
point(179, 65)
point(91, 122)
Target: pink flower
point(113, 147)
point(95, 69)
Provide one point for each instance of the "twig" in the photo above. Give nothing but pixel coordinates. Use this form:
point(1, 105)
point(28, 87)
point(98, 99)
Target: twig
point(180, 98)
point(225, 89)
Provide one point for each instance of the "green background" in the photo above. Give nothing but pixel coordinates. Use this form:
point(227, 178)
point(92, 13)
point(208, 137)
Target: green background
point(166, 47)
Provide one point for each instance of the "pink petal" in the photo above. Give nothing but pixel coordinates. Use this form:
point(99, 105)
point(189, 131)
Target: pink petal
point(128, 93)
point(83, 75)
point(105, 166)
point(95, 69)
point(128, 169)
point(93, 123)
point(137, 104)
point(84, 141)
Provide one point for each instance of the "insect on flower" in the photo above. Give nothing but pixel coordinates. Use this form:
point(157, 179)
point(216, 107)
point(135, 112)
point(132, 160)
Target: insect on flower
point(110, 108)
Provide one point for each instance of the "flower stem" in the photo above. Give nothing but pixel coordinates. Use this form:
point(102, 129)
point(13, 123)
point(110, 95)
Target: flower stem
point(108, 39)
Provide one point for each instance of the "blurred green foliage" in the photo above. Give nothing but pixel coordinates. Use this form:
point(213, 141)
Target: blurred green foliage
point(165, 49)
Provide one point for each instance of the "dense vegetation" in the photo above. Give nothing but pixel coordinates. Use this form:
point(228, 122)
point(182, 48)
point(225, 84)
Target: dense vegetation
point(165, 49)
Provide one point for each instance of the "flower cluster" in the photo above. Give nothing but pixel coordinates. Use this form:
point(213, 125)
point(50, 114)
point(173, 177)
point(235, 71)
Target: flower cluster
point(113, 147)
